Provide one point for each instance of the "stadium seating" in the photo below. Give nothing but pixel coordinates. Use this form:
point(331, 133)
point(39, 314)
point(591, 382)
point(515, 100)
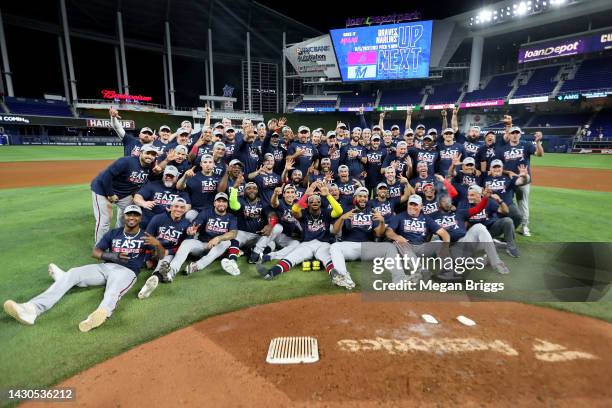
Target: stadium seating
point(602, 124)
point(401, 97)
point(540, 83)
point(445, 93)
point(356, 101)
point(552, 120)
point(498, 88)
point(593, 75)
point(42, 107)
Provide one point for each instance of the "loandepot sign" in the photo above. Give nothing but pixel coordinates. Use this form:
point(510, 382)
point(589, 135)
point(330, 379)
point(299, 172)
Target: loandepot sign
point(563, 47)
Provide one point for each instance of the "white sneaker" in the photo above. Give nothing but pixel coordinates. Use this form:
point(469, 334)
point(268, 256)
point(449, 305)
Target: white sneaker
point(22, 312)
point(525, 231)
point(501, 268)
point(148, 288)
point(191, 268)
point(230, 266)
point(95, 319)
point(55, 272)
point(349, 281)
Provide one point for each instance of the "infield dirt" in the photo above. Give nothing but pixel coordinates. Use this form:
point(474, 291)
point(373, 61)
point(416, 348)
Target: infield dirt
point(50, 173)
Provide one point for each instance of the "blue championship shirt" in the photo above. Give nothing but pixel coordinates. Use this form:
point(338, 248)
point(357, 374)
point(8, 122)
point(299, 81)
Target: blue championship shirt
point(117, 241)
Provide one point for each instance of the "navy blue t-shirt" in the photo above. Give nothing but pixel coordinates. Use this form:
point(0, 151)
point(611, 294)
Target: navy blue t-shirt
point(117, 241)
point(419, 181)
point(213, 225)
point(354, 164)
point(429, 206)
point(347, 189)
point(162, 147)
point(266, 184)
point(503, 186)
point(469, 145)
point(373, 166)
point(122, 178)
point(287, 220)
point(453, 222)
point(162, 195)
point(428, 156)
point(445, 157)
point(169, 232)
point(391, 157)
point(386, 208)
point(252, 216)
point(514, 156)
point(309, 155)
point(487, 216)
point(414, 229)
point(462, 181)
point(202, 190)
point(486, 153)
point(333, 156)
point(248, 153)
point(131, 145)
point(359, 227)
point(316, 227)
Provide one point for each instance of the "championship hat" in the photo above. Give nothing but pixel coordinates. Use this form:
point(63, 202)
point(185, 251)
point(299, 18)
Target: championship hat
point(165, 127)
point(516, 129)
point(361, 190)
point(469, 160)
point(149, 148)
point(171, 170)
point(236, 162)
point(303, 129)
point(132, 209)
point(181, 148)
point(395, 127)
point(146, 129)
point(415, 199)
point(475, 188)
point(221, 196)
point(496, 163)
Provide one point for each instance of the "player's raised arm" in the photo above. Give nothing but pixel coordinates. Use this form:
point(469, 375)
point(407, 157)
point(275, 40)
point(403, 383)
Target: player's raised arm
point(114, 119)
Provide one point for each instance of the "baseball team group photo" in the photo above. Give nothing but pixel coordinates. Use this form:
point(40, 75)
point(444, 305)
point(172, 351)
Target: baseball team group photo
point(278, 209)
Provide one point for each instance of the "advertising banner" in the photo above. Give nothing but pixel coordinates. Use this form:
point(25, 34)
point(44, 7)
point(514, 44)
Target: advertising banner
point(386, 52)
point(314, 58)
point(580, 44)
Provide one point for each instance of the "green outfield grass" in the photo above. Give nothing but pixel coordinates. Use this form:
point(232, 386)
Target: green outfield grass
point(37, 153)
point(61, 231)
point(41, 153)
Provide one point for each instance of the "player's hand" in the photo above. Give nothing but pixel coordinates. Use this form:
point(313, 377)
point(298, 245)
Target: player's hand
point(456, 159)
point(151, 240)
point(409, 110)
point(171, 155)
point(486, 192)
point(455, 110)
point(382, 115)
point(401, 240)
point(377, 216)
point(299, 151)
point(266, 231)
point(312, 187)
point(207, 110)
point(403, 180)
point(361, 110)
point(538, 136)
point(239, 180)
point(496, 198)
point(439, 178)
point(443, 113)
point(113, 199)
point(282, 121)
point(213, 242)
point(507, 120)
point(123, 257)
point(329, 177)
point(148, 205)
point(190, 173)
point(523, 170)
point(324, 189)
point(278, 191)
point(347, 215)
point(114, 113)
point(193, 229)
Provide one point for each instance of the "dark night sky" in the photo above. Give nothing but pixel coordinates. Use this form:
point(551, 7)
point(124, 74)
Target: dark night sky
point(311, 13)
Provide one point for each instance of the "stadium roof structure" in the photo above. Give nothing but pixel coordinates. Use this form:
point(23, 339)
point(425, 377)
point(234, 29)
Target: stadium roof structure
point(144, 24)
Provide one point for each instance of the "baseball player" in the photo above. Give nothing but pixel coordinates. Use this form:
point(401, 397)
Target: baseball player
point(255, 223)
point(170, 229)
point(464, 177)
point(472, 241)
point(395, 184)
point(471, 143)
point(201, 187)
point(303, 151)
point(177, 157)
point(347, 186)
point(124, 252)
point(131, 145)
point(247, 151)
point(235, 176)
point(281, 202)
point(331, 150)
point(375, 155)
point(422, 177)
point(487, 152)
point(427, 153)
point(513, 154)
point(164, 141)
point(116, 184)
point(448, 149)
point(266, 179)
point(315, 223)
point(413, 227)
point(155, 196)
point(204, 145)
point(230, 143)
point(360, 224)
point(505, 186)
point(400, 159)
point(496, 225)
point(353, 155)
point(217, 234)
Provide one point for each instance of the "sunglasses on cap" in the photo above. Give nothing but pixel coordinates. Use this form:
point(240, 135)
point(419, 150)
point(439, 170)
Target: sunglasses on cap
point(230, 131)
point(303, 132)
point(468, 165)
point(146, 132)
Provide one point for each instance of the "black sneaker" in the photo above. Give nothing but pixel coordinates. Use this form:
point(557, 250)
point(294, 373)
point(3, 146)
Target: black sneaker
point(513, 251)
point(263, 271)
point(254, 257)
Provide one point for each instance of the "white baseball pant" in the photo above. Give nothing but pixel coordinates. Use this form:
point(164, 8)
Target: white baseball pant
point(308, 250)
point(245, 238)
point(522, 199)
point(117, 278)
point(287, 243)
point(351, 251)
point(103, 210)
point(477, 239)
point(197, 248)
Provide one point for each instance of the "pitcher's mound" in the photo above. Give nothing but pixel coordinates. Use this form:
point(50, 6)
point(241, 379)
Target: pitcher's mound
point(371, 353)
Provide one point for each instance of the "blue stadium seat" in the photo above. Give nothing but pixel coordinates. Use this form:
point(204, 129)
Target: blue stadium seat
point(603, 123)
point(593, 75)
point(445, 93)
point(540, 83)
point(356, 101)
point(315, 106)
point(542, 120)
point(41, 107)
point(498, 88)
point(401, 97)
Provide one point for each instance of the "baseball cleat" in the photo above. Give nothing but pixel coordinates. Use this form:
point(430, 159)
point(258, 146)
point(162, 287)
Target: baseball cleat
point(501, 268)
point(148, 288)
point(22, 312)
point(164, 271)
point(263, 271)
point(316, 265)
point(230, 266)
point(306, 266)
point(513, 251)
point(95, 319)
point(55, 272)
point(338, 279)
point(499, 244)
point(254, 257)
point(191, 268)
point(349, 281)
point(525, 231)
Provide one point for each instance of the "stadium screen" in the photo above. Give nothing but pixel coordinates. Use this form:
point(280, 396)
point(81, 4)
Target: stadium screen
point(385, 52)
